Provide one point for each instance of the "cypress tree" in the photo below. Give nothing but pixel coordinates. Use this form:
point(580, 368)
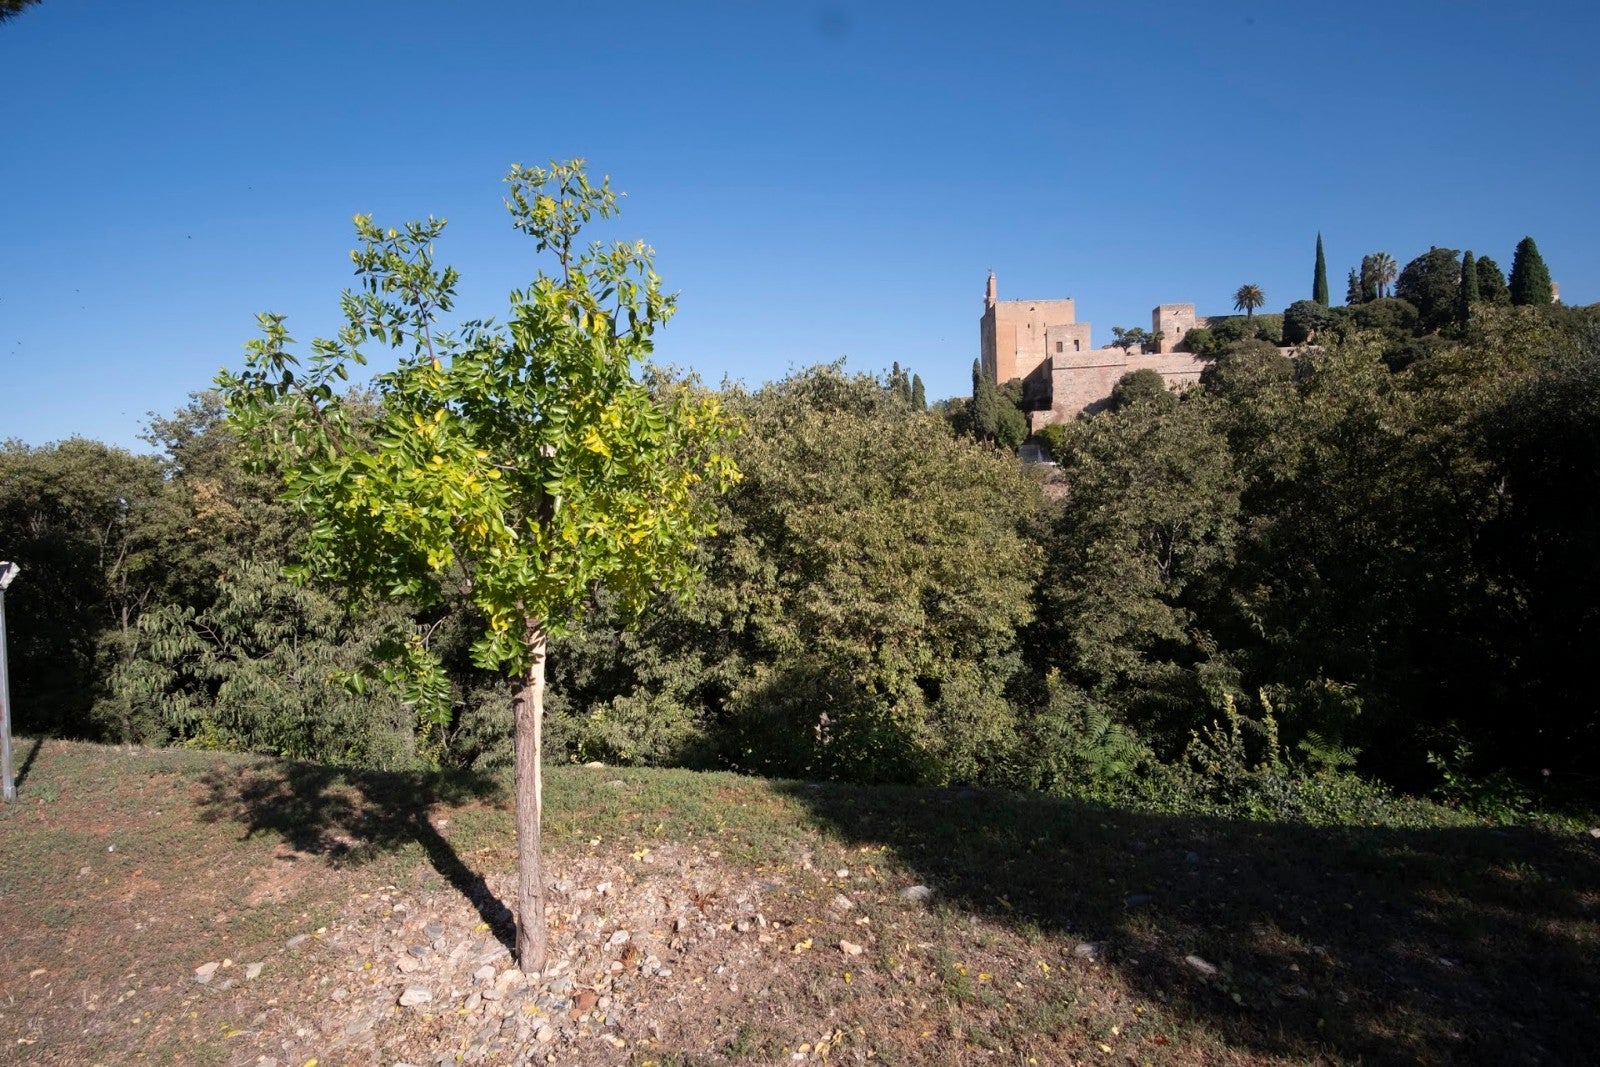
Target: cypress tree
point(919, 395)
point(985, 411)
point(900, 384)
point(1352, 289)
point(1530, 278)
point(1492, 283)
point(1319, 283)
point(1469, 288)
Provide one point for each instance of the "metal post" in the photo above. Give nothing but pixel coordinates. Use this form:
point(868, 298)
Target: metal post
point(8, 571)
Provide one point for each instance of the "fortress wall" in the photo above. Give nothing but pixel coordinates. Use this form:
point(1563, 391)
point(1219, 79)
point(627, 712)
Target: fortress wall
point(1172, 321)
point(1066, 341)
point(1021, 338)
point(1019, 333)
point(1080, 386)
point(1084, 384)
point(1173, 366)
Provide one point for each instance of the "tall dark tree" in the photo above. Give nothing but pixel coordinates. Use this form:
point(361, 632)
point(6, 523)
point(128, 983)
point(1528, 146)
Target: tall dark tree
point(1530, 278)
point(1431, 283)
point(1469, 287)
point(1492, 288)
point(919, 395)
point(1352, 289)
point(1319, 281)
point(985, 406)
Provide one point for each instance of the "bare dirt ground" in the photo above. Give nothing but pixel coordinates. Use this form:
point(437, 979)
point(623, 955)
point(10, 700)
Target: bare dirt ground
point(190, 908)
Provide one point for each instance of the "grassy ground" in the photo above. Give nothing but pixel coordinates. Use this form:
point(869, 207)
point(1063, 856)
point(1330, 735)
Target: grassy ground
point(1058, 932)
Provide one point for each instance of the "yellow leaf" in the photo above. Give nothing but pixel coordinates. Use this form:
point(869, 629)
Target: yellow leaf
point(803, 946)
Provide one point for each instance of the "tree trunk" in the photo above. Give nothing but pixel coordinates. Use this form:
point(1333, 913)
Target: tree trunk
point(529, 708)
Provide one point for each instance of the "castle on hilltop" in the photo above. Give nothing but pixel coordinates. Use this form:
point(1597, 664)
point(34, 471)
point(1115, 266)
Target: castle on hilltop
point(1063, 374)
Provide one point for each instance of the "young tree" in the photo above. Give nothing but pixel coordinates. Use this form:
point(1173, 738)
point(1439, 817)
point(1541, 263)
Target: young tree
point(1353, 293)
point(525, 465)
point(1319, 280)
point(1247, 298)
point(1530, 278)
point(1469, 287)
point(919, 395)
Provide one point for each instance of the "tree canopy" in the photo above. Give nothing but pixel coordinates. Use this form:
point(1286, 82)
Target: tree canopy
point(1530, 279)
point(1247, 298)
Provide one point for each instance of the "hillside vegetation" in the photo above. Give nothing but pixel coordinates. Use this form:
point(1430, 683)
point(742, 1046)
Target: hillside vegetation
point(718, 919)
point(1299, 591)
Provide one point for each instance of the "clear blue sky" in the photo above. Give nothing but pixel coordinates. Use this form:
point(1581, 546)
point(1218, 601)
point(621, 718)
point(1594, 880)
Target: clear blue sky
point(819, 179)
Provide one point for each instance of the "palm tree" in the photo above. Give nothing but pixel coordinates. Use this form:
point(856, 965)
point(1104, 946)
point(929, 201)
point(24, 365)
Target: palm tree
point(1384, 270)
point(1247, 299)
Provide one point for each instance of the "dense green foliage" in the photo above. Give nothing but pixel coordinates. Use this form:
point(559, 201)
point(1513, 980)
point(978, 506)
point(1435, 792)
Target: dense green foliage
point(1492, 287)
point(1290, 592)
point(1430, 283)
point(1303, 319)
point(1530, 283)
point(1319, 277)
point(1144, 386)
point(1468, 291)
point(861, 607)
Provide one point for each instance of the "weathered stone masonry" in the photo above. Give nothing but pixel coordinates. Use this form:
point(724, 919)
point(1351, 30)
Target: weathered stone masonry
point(1063, 374)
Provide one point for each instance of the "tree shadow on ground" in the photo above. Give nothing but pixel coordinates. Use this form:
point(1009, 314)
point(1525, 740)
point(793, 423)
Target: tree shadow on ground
point(1378, 945)
point(27, 762)
point(351, 816)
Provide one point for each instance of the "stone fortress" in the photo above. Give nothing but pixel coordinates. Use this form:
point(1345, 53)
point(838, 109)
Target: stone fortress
point(1063, 374)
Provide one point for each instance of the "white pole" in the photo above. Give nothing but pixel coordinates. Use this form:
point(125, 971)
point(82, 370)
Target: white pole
point(8, 571)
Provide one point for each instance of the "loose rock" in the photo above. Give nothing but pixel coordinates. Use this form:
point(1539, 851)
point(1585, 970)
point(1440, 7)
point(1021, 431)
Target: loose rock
point(414, 996)
point(203, 973)
point(917, 892)
point(1200, 965)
